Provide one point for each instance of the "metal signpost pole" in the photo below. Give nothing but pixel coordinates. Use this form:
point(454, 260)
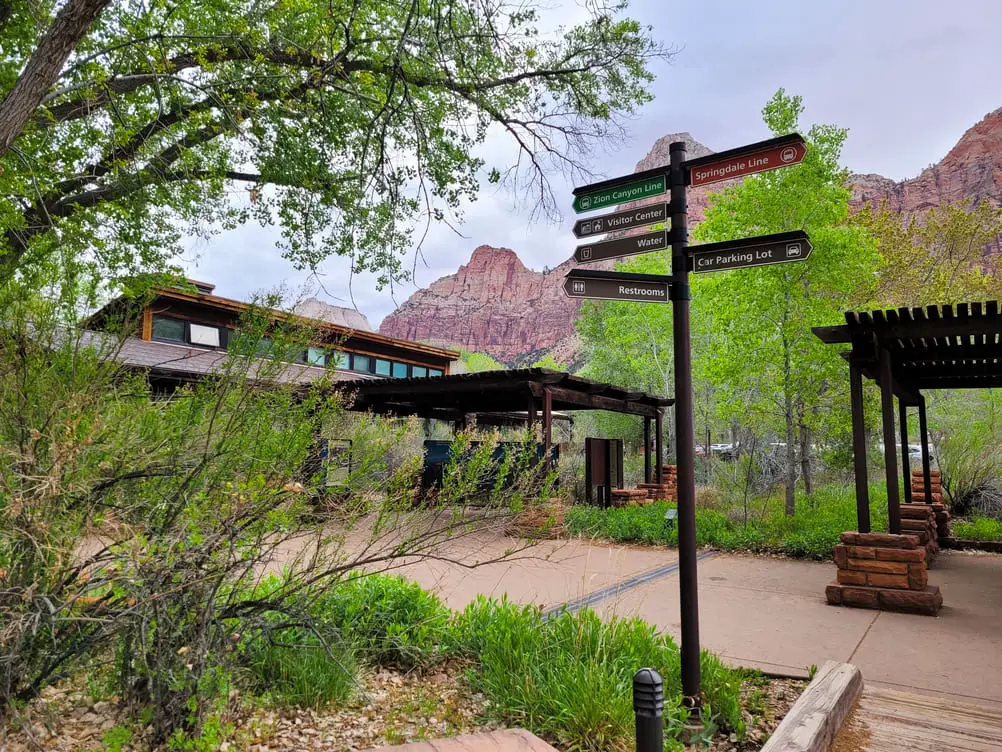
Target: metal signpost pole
point(684, 426)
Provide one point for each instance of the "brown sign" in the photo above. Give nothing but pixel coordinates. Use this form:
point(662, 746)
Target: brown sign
point(624, 220)
point(628, 246)
point(618, 287)
point(760, 251)
point(739, 164)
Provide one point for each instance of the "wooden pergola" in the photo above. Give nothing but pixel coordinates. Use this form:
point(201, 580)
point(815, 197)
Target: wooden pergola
point(906, 352)
point(529, 394)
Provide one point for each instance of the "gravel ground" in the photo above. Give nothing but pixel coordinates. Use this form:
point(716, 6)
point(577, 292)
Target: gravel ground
point(398, 708)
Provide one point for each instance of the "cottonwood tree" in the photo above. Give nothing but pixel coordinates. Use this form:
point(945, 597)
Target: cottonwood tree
point(939, 256)
point(126, 125)
point(763, 316)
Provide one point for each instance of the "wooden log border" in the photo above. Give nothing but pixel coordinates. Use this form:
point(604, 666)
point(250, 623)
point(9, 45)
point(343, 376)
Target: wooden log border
point(818, 714)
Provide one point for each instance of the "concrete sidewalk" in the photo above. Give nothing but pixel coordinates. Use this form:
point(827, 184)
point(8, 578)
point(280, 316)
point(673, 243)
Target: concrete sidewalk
point(763, 612)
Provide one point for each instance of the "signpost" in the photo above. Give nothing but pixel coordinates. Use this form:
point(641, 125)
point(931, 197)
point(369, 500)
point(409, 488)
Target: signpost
point(628, 246)
point(747, 160)
point(619, 191)
point(580, 283)
point(624, 220)
point(648, 288)
point(740, 254)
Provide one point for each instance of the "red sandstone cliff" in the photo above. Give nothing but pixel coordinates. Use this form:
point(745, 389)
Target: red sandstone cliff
point(494, 304)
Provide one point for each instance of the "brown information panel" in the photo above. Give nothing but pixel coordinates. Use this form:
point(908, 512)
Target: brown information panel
point(748, 163)
point(624, 220)
point(768, 249)
point(615, 289)
point(628, 246)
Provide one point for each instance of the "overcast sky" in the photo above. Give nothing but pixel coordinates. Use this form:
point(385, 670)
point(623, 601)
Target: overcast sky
point(907, 77)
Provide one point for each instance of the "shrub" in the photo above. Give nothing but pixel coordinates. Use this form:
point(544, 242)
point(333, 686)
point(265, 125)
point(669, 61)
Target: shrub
point(570, 677)
point(388, 620)
point(809, 533)
point(980, 529)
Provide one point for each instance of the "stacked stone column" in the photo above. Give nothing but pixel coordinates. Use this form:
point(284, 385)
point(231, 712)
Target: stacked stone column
point(882, 571)
point(666, 490)
point(622, 497)
point(936, 493)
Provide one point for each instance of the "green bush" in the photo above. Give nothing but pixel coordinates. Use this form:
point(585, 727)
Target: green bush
point(390, 621)
point(570, 677)
point(809, 533)
point(295, 667)
point(980, 529)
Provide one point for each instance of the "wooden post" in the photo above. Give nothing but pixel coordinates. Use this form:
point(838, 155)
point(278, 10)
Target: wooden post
point(647, 449)
point(890, 455)
point(926, 469)
point(588, 470)
point(859, 449)
point(906, 468)
point(547, 427)
point(147, 323)
point(659, 447)
point(531, 420)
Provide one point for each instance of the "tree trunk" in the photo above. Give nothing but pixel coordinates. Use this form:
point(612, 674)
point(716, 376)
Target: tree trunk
point(805, 458)
point(791, 459)
point(42, 70)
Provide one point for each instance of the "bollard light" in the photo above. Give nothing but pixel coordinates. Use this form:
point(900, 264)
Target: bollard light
point(648, 708)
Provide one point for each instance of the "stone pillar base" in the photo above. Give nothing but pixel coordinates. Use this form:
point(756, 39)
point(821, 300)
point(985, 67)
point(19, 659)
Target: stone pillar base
point(882, 571)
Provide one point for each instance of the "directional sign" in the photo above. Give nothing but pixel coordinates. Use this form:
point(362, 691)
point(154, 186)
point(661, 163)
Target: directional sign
point(739, 254)
point(629, 246)
point(624, 220)
point(650, 288)
point(747, 160)
point(618, 191)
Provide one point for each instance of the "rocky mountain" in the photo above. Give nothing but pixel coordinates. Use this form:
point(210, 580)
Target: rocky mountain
point(495, 304)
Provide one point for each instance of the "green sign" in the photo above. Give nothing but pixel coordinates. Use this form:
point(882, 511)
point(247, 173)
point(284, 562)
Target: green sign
point(620, 194)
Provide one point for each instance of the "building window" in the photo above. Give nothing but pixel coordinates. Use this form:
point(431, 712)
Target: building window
point(361, 363)
point(315, 356)
point(399, 370)
point(419, 372)
point(207, 336)
point(383, 367)
point(168, 329)
point(434, 372)
point(337, 359)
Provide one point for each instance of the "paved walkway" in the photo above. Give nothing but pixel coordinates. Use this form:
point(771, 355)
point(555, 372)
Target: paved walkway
point(765, 613)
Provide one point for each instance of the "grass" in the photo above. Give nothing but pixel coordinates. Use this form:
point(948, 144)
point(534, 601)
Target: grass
point(979, 529)
point(809, 533)
point(567, 678)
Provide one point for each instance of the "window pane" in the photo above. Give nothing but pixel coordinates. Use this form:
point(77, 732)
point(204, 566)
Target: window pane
point(400, 370)
point(419, 372)
point(434, 372)
point(263, 349)
point(337, 360)
point(167, 328)
point(361, 363)
point(382, 367)
point(315, 356)
point(204, 335)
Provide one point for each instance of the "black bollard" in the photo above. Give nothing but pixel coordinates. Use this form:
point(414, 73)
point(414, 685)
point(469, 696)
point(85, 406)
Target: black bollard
point(648, 707)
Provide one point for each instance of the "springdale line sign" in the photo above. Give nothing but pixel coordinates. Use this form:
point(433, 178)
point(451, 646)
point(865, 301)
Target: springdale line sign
point(747, 160)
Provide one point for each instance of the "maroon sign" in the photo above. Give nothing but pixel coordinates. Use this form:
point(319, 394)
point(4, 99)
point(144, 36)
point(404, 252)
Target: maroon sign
point(748, 163)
